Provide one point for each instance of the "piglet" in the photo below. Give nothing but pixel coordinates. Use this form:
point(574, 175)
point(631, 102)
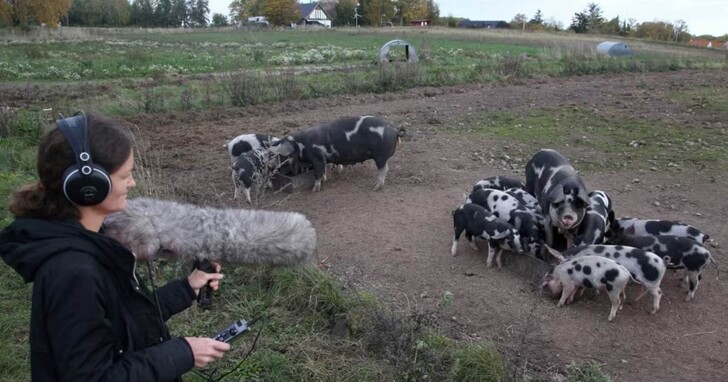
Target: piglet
point(655, 227)
point(499, 183)
point(646, 268)
point(676, 251)
point(476, 221)
point(589, 272)
point(248, 142)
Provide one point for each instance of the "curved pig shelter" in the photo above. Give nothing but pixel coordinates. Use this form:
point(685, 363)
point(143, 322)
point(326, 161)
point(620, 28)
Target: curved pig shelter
point(410, 51)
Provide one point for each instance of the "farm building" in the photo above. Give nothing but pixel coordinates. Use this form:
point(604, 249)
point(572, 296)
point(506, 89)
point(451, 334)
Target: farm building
point(708, 43)
point(483, 24)
point(312, 14)
point(420, 23)
point(614, 48)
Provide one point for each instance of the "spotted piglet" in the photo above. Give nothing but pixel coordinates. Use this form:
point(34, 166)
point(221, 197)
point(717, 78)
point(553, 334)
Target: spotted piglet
point(589, 272)
point(656, 227)
point(499, 182)
point(505, 206)
point(645, 267)
point(248, 142)
point(476, 221)
point(677, 251)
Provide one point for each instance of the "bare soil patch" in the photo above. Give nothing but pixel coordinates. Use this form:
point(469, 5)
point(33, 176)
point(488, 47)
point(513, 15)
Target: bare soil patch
point(397, 241)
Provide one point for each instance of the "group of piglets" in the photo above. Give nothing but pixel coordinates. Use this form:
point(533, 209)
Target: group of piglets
point(345, 141)
point(554, 209)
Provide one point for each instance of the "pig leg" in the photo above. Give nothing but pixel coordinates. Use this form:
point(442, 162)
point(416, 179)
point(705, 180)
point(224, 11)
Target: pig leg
point(247, 195)
point(235, 184)
point(319, 168)
point(694, 280)
point(656, 296)
point(491, 255)
point(498, 257)
point(455, 238)
point(569, 290)
point(614, 297)
point(471, 241)
point(381, 175)
point(642, 292)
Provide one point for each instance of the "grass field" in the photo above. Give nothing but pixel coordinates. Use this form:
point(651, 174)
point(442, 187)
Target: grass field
point(129, 73)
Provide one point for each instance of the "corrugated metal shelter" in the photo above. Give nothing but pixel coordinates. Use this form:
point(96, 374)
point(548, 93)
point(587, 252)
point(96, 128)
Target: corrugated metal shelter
point(614, 48)
point(409, 51)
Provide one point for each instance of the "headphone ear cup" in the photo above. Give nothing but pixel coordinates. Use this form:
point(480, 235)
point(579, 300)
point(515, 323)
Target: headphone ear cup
point(86, 190)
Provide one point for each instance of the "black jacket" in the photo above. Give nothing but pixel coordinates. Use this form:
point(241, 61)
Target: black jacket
point(91, 319)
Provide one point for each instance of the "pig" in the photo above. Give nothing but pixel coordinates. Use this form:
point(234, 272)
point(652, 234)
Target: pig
point(589, 272)
point(527, 200)
point(560, 193)
point(498, 183)
point(245, 169)
point(476, 221)
point(677, 251)
point(345, 141)
point(646, 268)
point(508, 208)
point(662, 227)
point(597, 221)
point(246, 142)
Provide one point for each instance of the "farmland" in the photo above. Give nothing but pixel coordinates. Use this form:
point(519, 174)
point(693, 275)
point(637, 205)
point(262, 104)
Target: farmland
point(650, 130)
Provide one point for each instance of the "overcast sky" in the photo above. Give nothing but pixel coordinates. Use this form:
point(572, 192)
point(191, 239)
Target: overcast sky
point(702, 16)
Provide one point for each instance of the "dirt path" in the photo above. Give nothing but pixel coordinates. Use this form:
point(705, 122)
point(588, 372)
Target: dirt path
point(398, 240)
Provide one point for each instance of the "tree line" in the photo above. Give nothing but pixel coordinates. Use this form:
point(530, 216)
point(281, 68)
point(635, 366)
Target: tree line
point(195, 13)
point(592, 21)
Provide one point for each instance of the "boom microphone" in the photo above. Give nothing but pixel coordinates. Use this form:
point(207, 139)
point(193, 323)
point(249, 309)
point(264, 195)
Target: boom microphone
point(154, 228)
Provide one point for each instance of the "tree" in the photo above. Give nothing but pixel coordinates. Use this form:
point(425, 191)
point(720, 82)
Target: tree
point(594, 14)
point(537, 18)
point(99, 13)
point(197, 11)
point(345, 13)
point(219, 20)
point(553, 24)
point(680, 28)
point(281, 12)
point(580, 22)
point(163, 13)
point(178, 16)
point(518, 21)
point(29, 12)
point(376, 12)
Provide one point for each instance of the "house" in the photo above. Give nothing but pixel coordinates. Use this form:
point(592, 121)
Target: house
point(483, 24)
point(258, 20)
point(420, 23)
point(312, 14)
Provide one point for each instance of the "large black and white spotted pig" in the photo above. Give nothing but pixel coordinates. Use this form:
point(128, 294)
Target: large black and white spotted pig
point(248, 142)
point(656, 227)
point(345, 141)
point(475, 221)
point(499, 183)
point(560, 192)
point(677, 252)
point(589, 272)
point(597, 221)
point(646, 268)
point(506, 207)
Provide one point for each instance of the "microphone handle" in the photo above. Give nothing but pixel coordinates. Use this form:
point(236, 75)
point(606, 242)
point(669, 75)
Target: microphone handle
point(204, 298)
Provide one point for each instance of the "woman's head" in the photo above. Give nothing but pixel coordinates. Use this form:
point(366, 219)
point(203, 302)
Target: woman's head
point(111, 148)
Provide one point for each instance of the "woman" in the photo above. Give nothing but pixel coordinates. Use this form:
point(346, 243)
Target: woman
point(91, 319)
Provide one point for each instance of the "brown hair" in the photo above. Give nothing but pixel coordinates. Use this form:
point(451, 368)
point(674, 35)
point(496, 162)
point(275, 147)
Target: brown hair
point(110, 147)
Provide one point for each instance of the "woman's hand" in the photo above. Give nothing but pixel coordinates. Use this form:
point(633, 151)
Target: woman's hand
point(206, 350)
point(198, 279)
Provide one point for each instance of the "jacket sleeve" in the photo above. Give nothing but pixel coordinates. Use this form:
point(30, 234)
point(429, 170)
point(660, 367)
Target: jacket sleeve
point(81, 337)
point(174, 297)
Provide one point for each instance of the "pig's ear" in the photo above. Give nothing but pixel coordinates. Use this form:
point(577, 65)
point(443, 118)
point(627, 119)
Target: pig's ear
point(555, 254)
point(517, 223)
point(582, 194)
point(629, 230)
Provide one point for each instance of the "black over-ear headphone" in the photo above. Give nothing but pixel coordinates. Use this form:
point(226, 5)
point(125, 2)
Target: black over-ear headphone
point(84, 183)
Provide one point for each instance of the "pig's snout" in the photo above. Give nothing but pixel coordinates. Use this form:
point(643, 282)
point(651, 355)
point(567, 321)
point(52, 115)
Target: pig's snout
point(568, 220)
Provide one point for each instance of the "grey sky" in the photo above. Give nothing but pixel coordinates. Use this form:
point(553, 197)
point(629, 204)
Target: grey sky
point(702, 16)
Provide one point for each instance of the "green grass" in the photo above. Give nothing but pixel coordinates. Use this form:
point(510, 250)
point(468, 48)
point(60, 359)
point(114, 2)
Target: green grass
point(587, 372)
point(703, 98)
point(603, 142)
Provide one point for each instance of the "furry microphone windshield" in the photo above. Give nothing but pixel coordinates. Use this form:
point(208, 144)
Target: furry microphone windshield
point(154, 228)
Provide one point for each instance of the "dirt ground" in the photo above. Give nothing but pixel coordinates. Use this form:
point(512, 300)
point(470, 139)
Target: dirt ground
point(397, 241)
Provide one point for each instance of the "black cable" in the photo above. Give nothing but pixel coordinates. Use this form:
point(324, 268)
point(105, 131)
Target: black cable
point(165, 332)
